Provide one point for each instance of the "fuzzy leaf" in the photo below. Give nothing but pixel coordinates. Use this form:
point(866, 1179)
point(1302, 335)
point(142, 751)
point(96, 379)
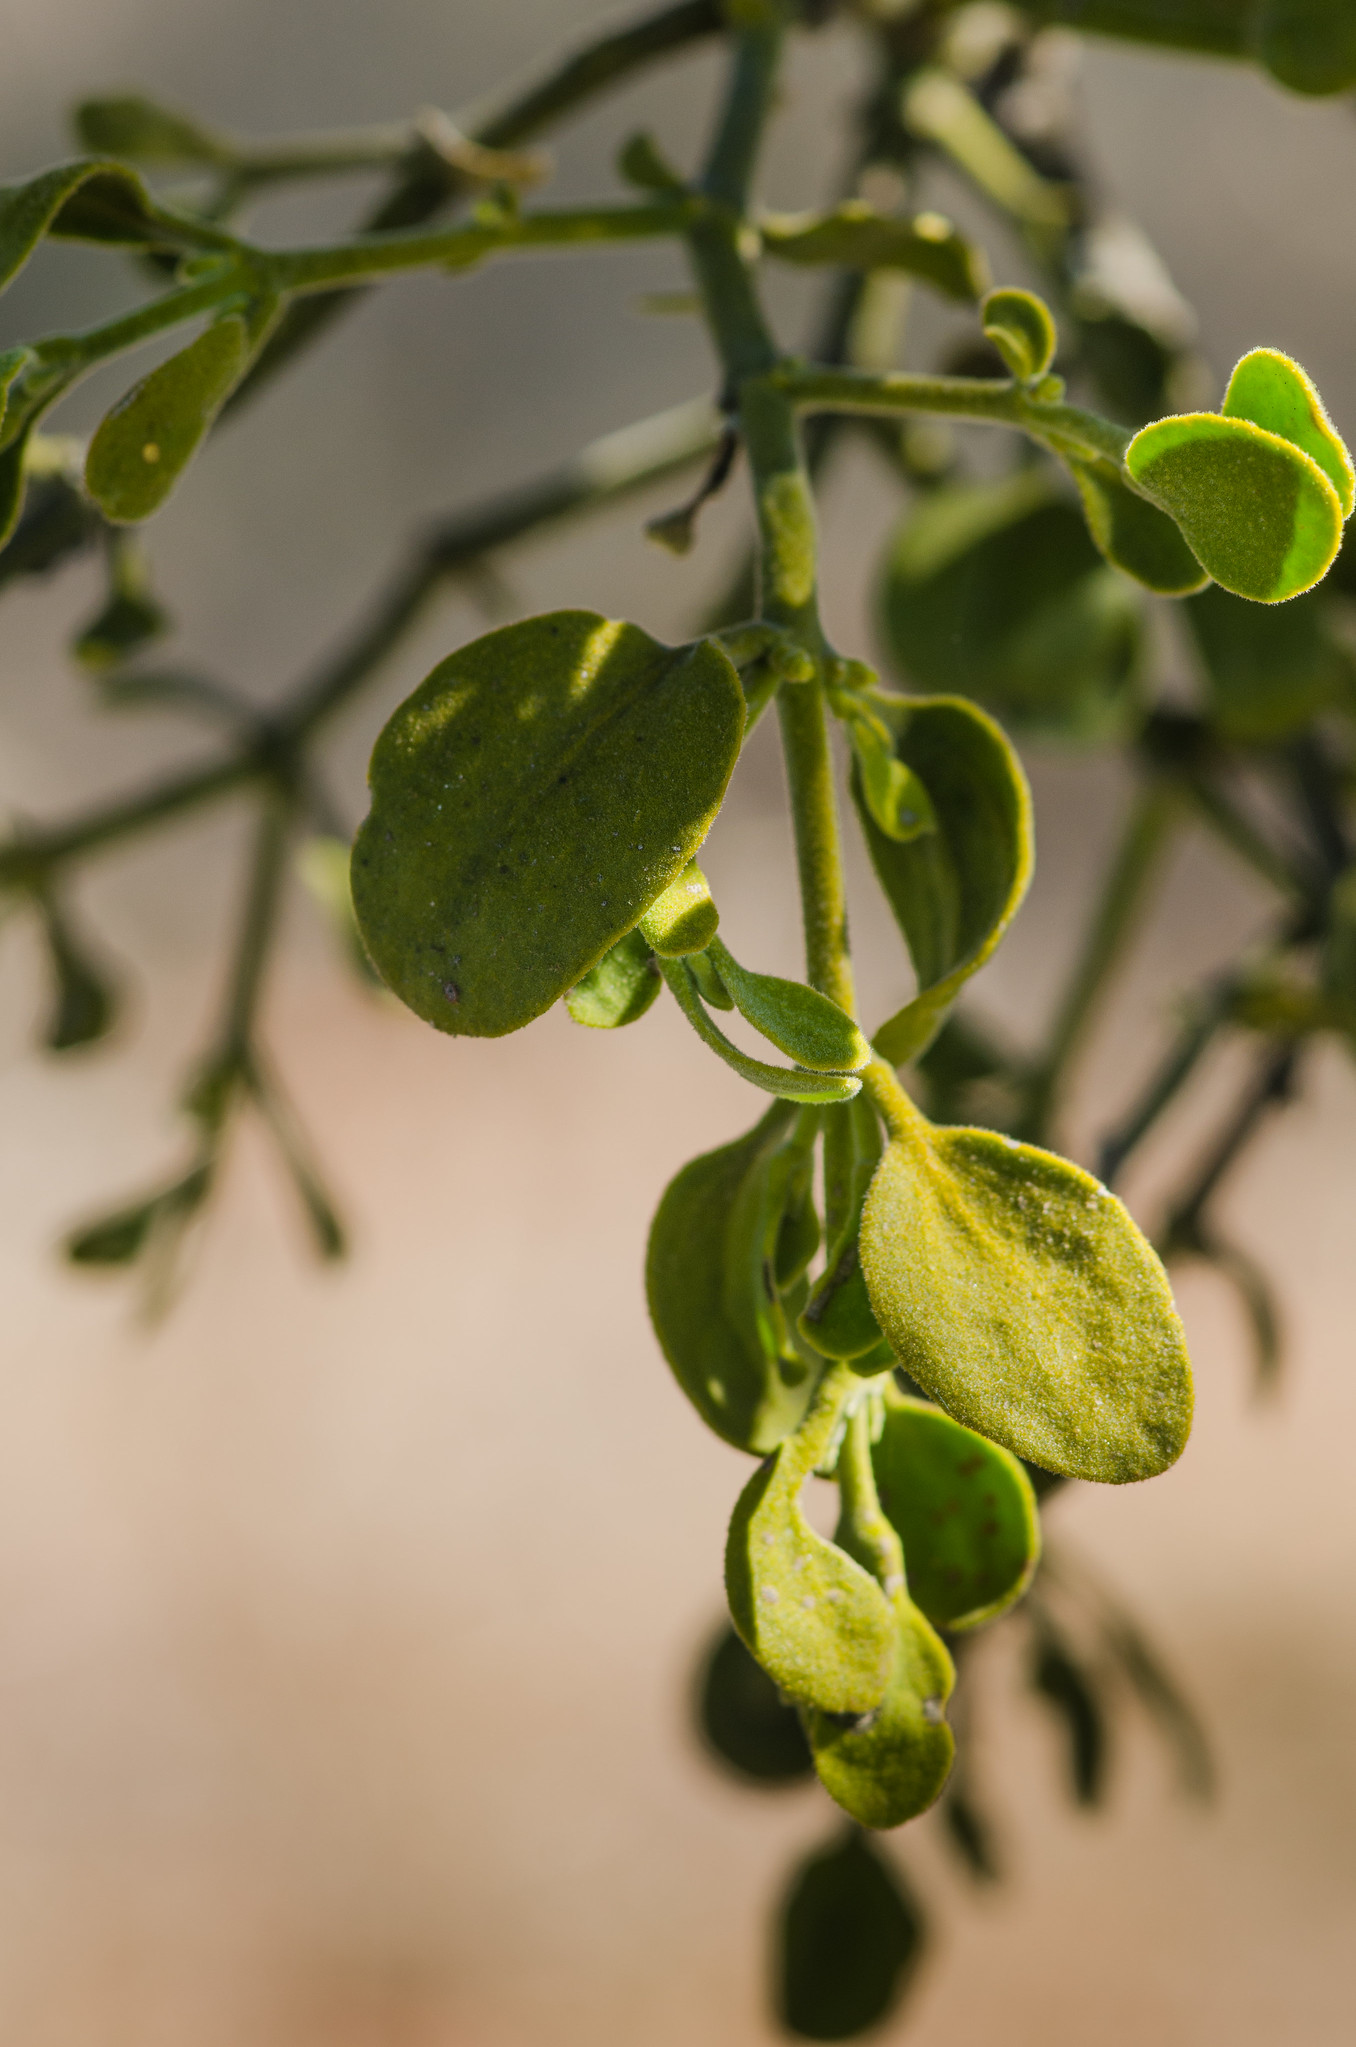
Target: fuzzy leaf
point(792, 1083)
point(963, 1509)
point(1021, 329)
point(1274, 393)
point(750, 1395)
point(142, 447)
point(529, 802)
point(1133, 534)
point(890, 1765)
point(857, 237)
point(745, 1719)
point(684, 918)
point(1019, 1294)
point(851, 1938)
point(893, 793)
point(1259, 515)
point(797, 1019)
point(996, 591)
point(955, 889)
point(619, 989)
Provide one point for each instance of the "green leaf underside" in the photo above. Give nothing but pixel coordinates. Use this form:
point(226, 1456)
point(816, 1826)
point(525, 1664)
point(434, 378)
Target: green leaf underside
point(955, 889)
point(1273, 392)
point(858, 238)
point(749, 1395)
point(746, 1721)
point(1133, 534)
point(963, 1509)
point(889, 1766)
point(817, 1622)
point(144, 444)
point(619, 989)
point(1269, 672)
point(1021, 329)
point(798, 1020)
point(1017, 1292)
point(529, 802)
point(1259, 515)
point(996, 591)
point(792, 1083)
point(851, 1938)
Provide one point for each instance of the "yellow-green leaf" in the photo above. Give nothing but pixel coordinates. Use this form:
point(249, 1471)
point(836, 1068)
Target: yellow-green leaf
point(1133, 534)
point(142, 447)
point(684, 918)
point(890, 1765)
point(529, 802)
point(619, 989)
point(792, 1083)
point(1274, 393)
point(1019, 1294)
point(797, 1019)
point(857, 237)
point(1021, 329)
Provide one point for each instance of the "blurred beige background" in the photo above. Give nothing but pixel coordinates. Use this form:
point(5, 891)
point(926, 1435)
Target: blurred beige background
point(346, 1620)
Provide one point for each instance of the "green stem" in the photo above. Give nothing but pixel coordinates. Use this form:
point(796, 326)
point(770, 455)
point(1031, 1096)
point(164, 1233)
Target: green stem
point(864, 1530)
point(257, 930)
point(819, 855)
point(1000, 402)
point(1125, 889)
point(357, 261)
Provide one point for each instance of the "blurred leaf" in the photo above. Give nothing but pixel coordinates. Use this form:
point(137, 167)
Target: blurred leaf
point(746, 1721)
point(1165, 1704)
point(125, 1235)
point(323, 864)
point(126, 622)
point(135, 127)
point(857, 237)
point(971, 1836)
point(87, 200)
point(1269, 671)
point(86, 1001)
point(1068, 1689)
point(1309, 45)
point(852, 1937)
point(59, 522)
point(1021, 329)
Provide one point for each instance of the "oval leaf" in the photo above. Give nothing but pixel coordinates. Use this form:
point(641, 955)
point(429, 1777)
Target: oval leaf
point(1274, 392)
point(684, 919)
point(955, 889)
point(1019, 1294)
point(855, 236)
point(798, 1020)
point(619, 989)
point(137, 127)
point(1133, 534)
point(817, 1622)
point(746, 1721)
point(529, 802)
point(1259, 515)
point(1309, 45)
point(1269, 672)
point(140, 450)
point(963, 1509)
point(890, 1765)
point(792, 1083)
point(851, 1937)
point(1021, 329)
point(750, 1396)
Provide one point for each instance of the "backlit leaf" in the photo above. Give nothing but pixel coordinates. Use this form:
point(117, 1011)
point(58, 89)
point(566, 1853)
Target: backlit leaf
point(1133, 534)
point(953, 890)
point(1021, 329)
point(1274, 393)
point(142, 447)
point(748, 1394)
point(888, 1766)
point(857, 237)
point(745, 1719)
point(619, 989)
point(963, 1509)
point(851, 1938)
point(1017, 1292)
point(529, 802)
point(1259, 515)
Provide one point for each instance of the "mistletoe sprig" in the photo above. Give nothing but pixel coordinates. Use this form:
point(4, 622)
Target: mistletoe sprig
point(902, 1289)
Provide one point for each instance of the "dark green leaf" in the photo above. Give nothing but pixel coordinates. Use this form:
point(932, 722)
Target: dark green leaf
point(970, 1834)
point(1309, 45)
point(1069, 1691)
point(750, 1394)
point(1269, 671)
point(529, 802)
point(889, 1765)
point(1133, 534)
point(126, 622)
point(641, 162)
point(1021, 329)
point(619, 989)
point(85, 1001)
point(90, 201)
point(996, 591)
point(964, 1511)
point(1218, 27)
point(57, 523)
point(746, 1721)
point(1017, 1292)
point(838, 1319)
point(138, 128)
point(122, 1238)
point(12, 485)
point(851, 1939)
point(953, 890)
point(140, 450)
point(858, 238)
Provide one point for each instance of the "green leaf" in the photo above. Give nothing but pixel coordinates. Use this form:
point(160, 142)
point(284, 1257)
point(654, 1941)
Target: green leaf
point(954, 890)
point(129, 620)
point(750, 1395)
point(1218, 27)
point(851, 1939)
point(888, 1766)
point(13, 361)
point(1017, 1292)
point(1259, 514)
point(124, 1236)
point(132, 126)
point(746, 1721)
point(996, 591)
point(641, 162)
point(1133, 534)
point(684, 918)
point(1309, 45)
point(893, 793)
point(13, 482)
point(710, 987)
point(963, 1509)
point(529, 802)
point(619, 989)
point(857, 237)
point(751, 1295)
point(1274, 393)
point(85, 1001)
point(798, 1020)
point(1021, 329)
point(1269, 672)
point(817, 1622)
point(792, 1083)
point(142, 447)
point(87, 200)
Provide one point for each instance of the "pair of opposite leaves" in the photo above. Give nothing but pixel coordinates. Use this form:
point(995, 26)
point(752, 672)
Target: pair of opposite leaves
point(1254, 496)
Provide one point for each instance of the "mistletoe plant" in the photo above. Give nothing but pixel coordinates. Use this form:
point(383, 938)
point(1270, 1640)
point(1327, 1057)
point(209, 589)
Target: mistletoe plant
point(875, 1283)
